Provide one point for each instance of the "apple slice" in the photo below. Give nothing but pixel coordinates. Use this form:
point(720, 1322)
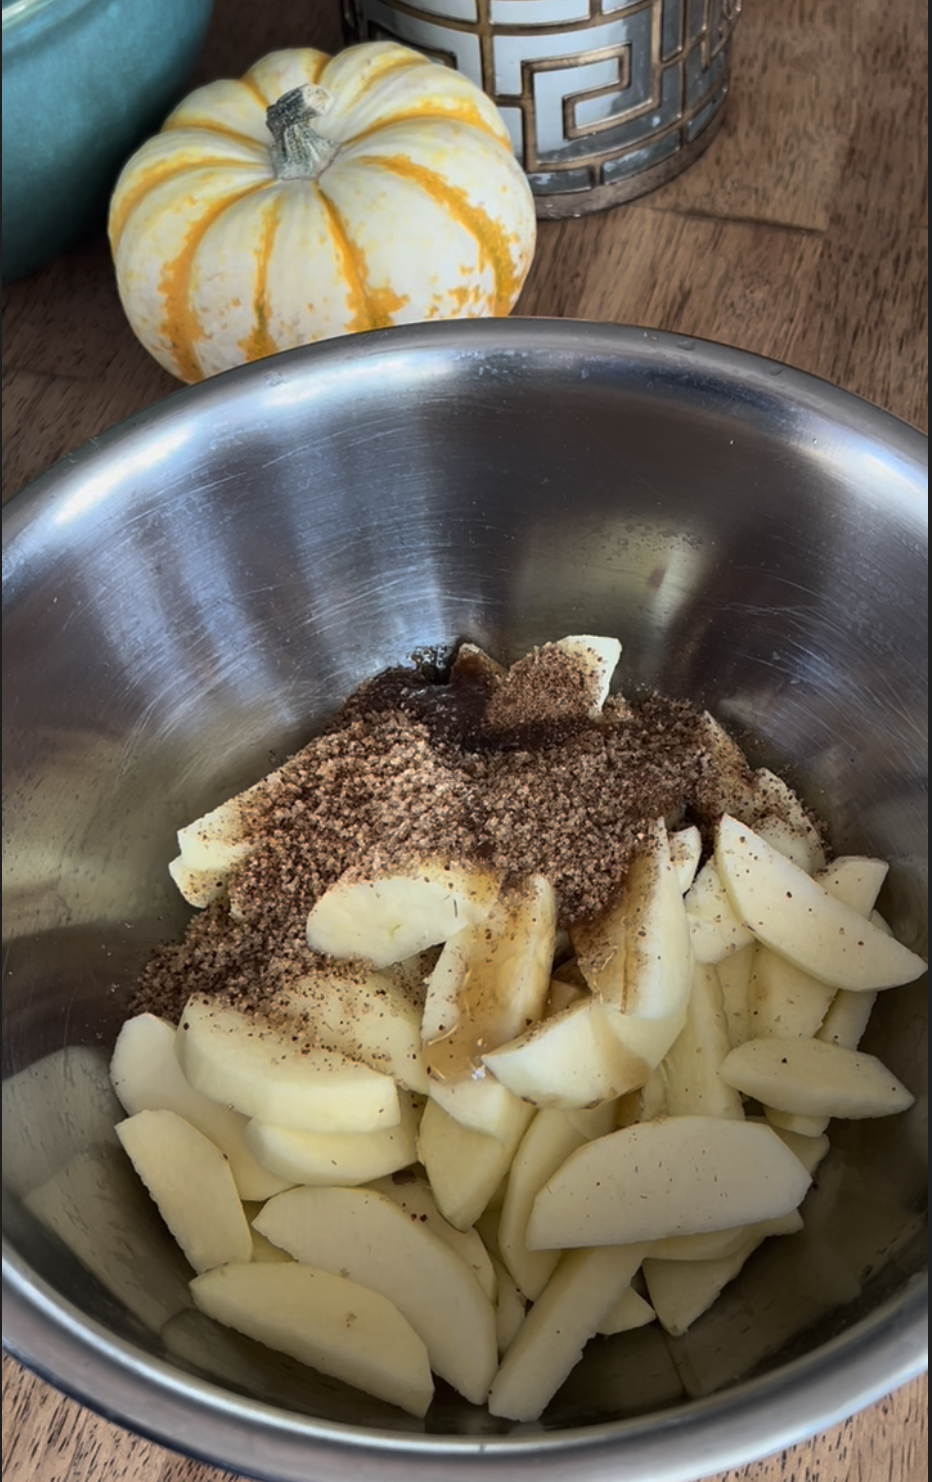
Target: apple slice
point(629, 1312)
point(549, 1343)
point(372, 1240)
point(811, 1078)
point(775, 798)
point(734, 976)
point(413, 1196)
point(793, 1122)
point(370, 1015)
point(264, 1250)
point(809, 1149)
point(715, 930)
point(679, 1176)
point(490, 983)
point(220, 839)
point(637, 956)
point(800, 844)
point(389, 918)
point(681, 1291)
point(690, 1068)
point(598, 659)
point(791, 913)
point(510, 1307)
point(212, 846)
point(847, 1019)
point(563, 991)
point(856, 882)
point(544, 1148)
point(465, 1168)
point(199, 888)
point(685, 855)
point(146, 1076)
point(191, 1183)
point(237, 1060)
point(480, 1104)
point(571, 1060)
point(716, 1243)
point(345, 1158)
point(784, 1001)
point(854, 879)
point(326, 1321)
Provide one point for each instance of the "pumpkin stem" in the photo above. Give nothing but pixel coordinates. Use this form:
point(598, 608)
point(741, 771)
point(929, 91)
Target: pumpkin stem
point(298, 153)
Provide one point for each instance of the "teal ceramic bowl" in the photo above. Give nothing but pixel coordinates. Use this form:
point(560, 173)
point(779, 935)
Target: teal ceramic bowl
point(84, 82)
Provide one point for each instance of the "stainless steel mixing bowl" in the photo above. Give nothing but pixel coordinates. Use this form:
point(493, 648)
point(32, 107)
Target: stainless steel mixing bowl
point(187, 597)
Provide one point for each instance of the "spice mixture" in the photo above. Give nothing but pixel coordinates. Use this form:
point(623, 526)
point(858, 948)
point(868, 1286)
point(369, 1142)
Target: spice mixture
point(502, 768)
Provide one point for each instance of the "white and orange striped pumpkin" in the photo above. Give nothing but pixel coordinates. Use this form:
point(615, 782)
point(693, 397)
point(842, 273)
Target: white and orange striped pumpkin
point(318, 196)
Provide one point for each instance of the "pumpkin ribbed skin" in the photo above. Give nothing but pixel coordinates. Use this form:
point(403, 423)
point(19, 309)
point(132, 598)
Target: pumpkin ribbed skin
point(422, 213)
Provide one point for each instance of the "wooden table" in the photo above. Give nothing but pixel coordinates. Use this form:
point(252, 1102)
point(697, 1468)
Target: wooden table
point(801, 235)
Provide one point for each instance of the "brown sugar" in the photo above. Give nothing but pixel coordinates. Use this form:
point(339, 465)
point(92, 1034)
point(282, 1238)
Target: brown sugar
point(507, 770)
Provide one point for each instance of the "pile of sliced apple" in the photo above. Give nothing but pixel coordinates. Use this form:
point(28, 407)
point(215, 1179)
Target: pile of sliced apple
point(472, 1172)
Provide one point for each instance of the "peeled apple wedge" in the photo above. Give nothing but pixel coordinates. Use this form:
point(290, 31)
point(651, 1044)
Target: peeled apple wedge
point(636, 957)
point(211, 847)
point(774, 798)
point(236, 1060)
point(678, 1176)
point(680, 1291)
point(371, 1240)
point(509, 1307)
point(784, 1001)
point(718, 1243)
point(854, 879)
point(801, 845)
point(629, 1312)
point(413, 1196)
point(326, 1321)
point(734, 976)
point(191, 1183)
point(218, 839)
point(146, 1076)
point(490, 982)
point(389, 918)
point(690, 1068)
point(811, 1078)
point(685, 855)
point(198, 887)
point(715, 930)
point(791, 913)
point(794, 1122)
point(598, 658)
point(479, 1103)
point(582, 1291)
point(543, 1149)
point(371, 1016)
point(847, 1019)
point(465, 1168)
point(809, 1150)
point(571, 1060)
point(345, 1158)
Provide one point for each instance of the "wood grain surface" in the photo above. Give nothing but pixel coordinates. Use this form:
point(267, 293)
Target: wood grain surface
point(801, 234)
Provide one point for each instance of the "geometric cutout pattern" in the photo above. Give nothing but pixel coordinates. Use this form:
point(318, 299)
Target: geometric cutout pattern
point(604, 99)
